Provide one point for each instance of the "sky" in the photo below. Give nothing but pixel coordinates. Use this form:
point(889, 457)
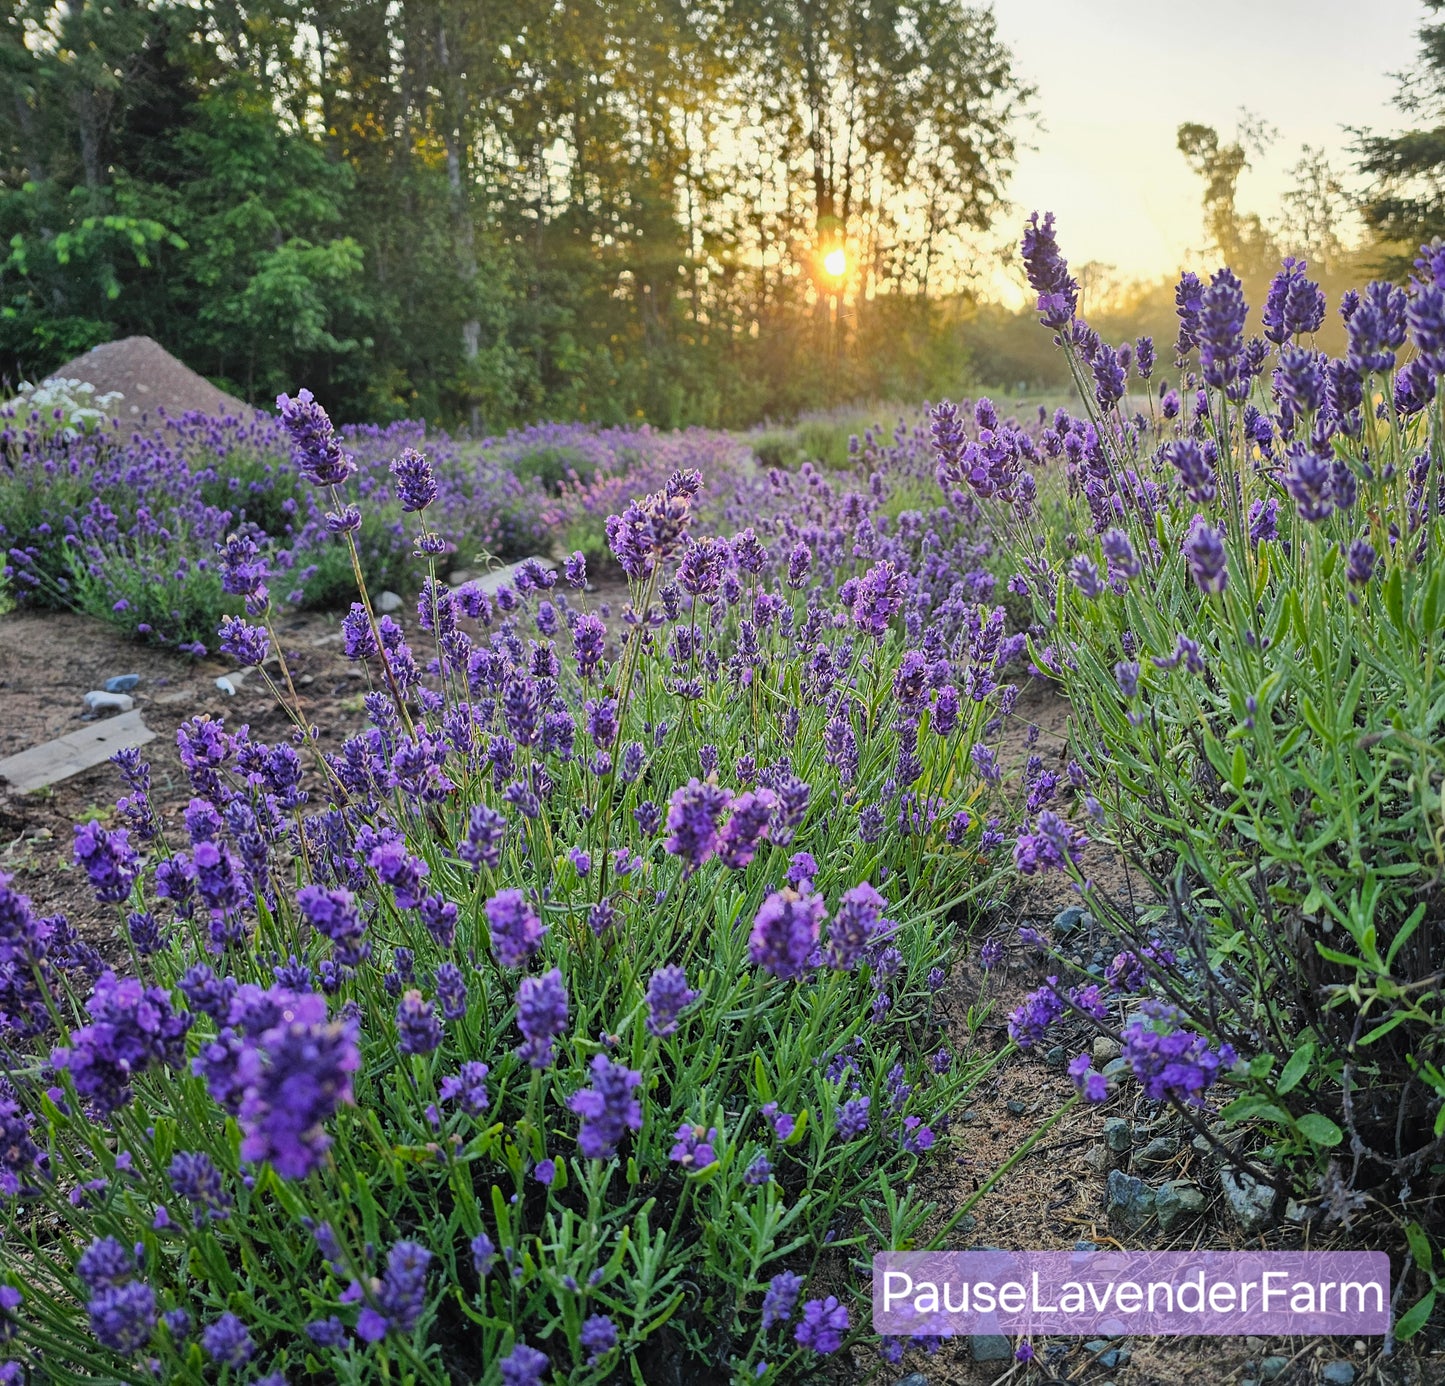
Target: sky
point(1116, 79)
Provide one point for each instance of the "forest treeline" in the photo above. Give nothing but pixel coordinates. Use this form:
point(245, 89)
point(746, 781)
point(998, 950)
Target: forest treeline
point(604, 209)
point(597, 208)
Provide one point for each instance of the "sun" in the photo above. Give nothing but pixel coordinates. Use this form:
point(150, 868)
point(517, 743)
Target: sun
point(835, 263)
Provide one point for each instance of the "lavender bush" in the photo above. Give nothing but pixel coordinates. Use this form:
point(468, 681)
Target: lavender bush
point(575, 1019)
point(1246, 620)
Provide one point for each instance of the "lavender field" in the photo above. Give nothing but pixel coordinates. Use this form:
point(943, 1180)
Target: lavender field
point(635, 972)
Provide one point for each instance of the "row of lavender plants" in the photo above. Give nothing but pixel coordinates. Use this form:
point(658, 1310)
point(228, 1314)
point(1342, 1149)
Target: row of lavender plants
point(1246, 617)
point(580, 1017)
point(124, 525)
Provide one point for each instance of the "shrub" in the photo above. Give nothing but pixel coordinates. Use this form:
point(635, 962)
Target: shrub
point(1247, 628)
point(578, 1015)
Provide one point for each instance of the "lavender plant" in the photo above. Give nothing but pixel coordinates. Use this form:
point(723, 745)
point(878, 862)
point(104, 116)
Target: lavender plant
point(1246, 620)
point(577, 1017)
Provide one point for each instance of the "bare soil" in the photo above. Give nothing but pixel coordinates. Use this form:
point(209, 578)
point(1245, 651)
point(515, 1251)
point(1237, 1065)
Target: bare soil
point(148, 379)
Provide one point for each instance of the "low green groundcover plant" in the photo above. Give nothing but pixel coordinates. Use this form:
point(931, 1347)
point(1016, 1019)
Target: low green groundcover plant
point(1247, 620)
point(577, 1018)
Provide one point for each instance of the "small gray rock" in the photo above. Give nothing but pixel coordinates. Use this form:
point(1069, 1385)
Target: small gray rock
point(1106, 1050)
point(990, 1347)
point(1097, 1158)
point(914, 1379)
point(1251, 1204)
point(1015, 1107)
point(1177, 1201)
point(121, 683)
point(1128, 1200)
point(1117, 1135)
point(1070, 920)
point(1084, 1244)
point(1160, 1151)
point(98, 701)
point(1338, 1373)
point(1115, 1067)
point(1255, 1344)
point(1055, 1057)
point(388, 602)
point(1271, 1367)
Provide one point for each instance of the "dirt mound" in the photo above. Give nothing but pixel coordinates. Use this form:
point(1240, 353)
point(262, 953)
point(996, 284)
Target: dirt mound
point(147, 376)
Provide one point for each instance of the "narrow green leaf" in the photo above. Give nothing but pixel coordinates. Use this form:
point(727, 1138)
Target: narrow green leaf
point(1318, 1129)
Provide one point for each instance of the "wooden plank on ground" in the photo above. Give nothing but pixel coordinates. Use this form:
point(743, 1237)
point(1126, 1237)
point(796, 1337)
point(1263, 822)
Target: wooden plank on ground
point(75, 751)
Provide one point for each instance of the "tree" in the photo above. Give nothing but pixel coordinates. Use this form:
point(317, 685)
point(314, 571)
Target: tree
point(1405, 206)
point(1241, 238)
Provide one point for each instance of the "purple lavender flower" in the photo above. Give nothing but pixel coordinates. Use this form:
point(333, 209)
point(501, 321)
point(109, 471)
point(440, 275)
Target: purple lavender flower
point(523, 1366)
point(608, 1108)
point(292, 1078)
point(515, 929)
point(333, 914)
point(597, 1337)
point(132, 1028)
point(314, 446)
point(852, 1118)
point(1048, 273)
point(1294, 305)
point(785, 932)
point(1221, 328)
point(878, 597)
point(467, 1087)
point(668, 995)
point(418, 1030)
point(693, 1147)
point(248, 645)
point(195, 1178)
point(541, 1015)
point(1031, 1020)
point(1307, 478)
point(823, 1325)
point(1361, 562)
point(1092, 1086)
point(1204, 549)
point(1173, 1063)
point(801, 868)
point(1189, 304)
point(1144, 357)
point(227, 1342)
point(692, 818)
point(416, 486)
point(399, 1296)
point(746, 827)
point(123, 1316)
point(858, 920)
point(781, 1298)
point(108, 860)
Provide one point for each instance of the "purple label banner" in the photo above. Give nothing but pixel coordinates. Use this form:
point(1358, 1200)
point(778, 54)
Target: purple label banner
point(1136, 1292)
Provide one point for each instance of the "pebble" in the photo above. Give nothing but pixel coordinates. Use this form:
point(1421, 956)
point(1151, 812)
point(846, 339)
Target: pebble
point(1068, 921)
point(1055, 1057)
point(1015, 1108)
point(1108, 1357)
point(388, 602)
point(1254, 1343)
point(990, 1347)
point(1271, 1367)
point(1251, 1203)
point(227, 686)
point(121, 683)
point(1339, 1373)
point(99, 701)
point(1160, 1151)
point(1106, 1049)
point(1114, 1067)
point(1177, 1201)
point(913, 1379)
point(1117, 1135)
point(1097, 1158)
point(1128, 1199)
